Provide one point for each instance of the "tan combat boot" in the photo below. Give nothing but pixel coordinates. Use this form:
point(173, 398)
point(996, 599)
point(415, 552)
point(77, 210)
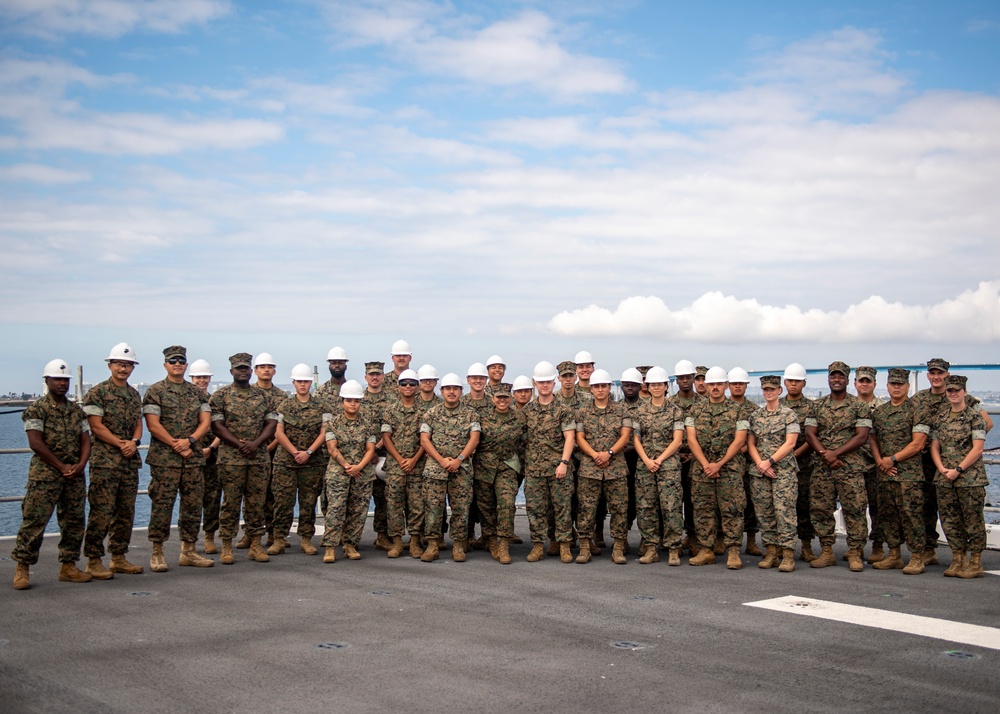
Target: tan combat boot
point(382, 541)
point(244, 542)
point(330, 555)
point(855, 562)
point(157, 564)
point(584, 556)
point(825, 559)
point(706, 556)
point(733, 561)
point(770, 558)
point(807, 552)
point(396, 548)
point(652, 554)
point(189, 556)
point(22, 578)
point(416, 550)
point(458, 550)
point(494, 546)
point(351, 552)
point(227, 552)
point(787, 560)
point(431, 553)
point(752, 547)
point(957, 563)
point(69, 573)
point(930, 556)
point(566, 552)
point(537, 553)
point(915, 566)
point(97, 570)
point(973, 567)
point(306, 546)
point(503, 551)
point(120, 565)
point(210, 547)
point(878, 553)
point(553, 548)
point(894, 561)
point(619, 550)
point(720, 545)
point(675, 557)
point(278, 546)
point(257, 552)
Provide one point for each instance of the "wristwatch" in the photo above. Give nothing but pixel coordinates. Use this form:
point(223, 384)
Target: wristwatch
point(460, 457)
point(611, 452)
point(138, 442)
point(960, 469)
point(309, 451)
point(893, 459)
point(564, 462)
point(194, 442)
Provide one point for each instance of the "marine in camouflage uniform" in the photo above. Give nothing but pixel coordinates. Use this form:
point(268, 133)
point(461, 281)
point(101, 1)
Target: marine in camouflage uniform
point(839, 426)
point(497, 464)
point(301, 423)
point(659, 494)
point(802, 408)
point(404, 477)
point(375, 402)
point(632, 401)
point(864, 384)
point(59, 435)
point(896, 429)
point(176, 411)
point(351, 443)
point(684, 402)
point(573, 398)
point(482, 405)
point(244, 417)
point(957, 441)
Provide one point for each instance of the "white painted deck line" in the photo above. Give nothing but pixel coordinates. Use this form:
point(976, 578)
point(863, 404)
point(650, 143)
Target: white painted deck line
point(975, 635)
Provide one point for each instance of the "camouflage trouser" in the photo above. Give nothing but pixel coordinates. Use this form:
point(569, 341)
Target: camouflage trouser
point(877, 534)
point(775, 499)
point(67, 497)
point(848, 485)
point(750, 524)
point(286, 481)
point(416, 507)
point(163, 489)
point(686, 494)
point(347, 501)
point(380, 519)
point(805, 529)
point(247, 486)
point(457, 490)
point(112, 510)
point(725, 495)
point(497, 501)
point(269, 498)
point(930, 501)
point(658, 501)
point(211, 500)
point(901, 508)
point(962, 517)
point(549, 498)
point(398, 495)
point(589, 492)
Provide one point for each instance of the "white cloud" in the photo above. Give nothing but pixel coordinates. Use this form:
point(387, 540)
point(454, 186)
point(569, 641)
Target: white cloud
point(109, 18)
point(972, 317)
point(39, 173)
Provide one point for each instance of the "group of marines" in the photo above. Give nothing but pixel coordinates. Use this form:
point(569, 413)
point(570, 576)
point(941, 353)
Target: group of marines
point(696, 469)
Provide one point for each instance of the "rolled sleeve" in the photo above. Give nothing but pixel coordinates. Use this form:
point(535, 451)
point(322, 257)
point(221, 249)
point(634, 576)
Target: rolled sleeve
point(34, 425)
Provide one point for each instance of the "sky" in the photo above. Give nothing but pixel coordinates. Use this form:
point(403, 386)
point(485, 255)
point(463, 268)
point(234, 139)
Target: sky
point(732, 183)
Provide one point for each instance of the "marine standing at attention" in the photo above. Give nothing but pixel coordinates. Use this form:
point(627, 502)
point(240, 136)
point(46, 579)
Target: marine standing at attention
point(864, 385)
point(401, 357)
point(336, 360)
point(373, 405)
point(59, 435)
point(404, 467)
point(795, 381)
point(264, 369)
point(685, 398)
point(200, 373)
point(114, 412)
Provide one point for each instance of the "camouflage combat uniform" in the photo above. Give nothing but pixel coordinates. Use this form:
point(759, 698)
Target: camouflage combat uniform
point(244, 478)
point(330, 392)
point(62, 427)
point(211, 500)
point(547, 498)
point(836, 422)
point(802, 408)
point(302, 422)
point(449, 430)
point(961, 501)
point(871, 474)
point(901, 497)
point(348, 497)
point(373, 407)
point(602, 428)
point(497, 465)
point(114, 479)
point(178, 407)
point(774, 499)
point(277, 396)
point(659, 495)
point(715, 427)
point(404, 491)
point(685, 404)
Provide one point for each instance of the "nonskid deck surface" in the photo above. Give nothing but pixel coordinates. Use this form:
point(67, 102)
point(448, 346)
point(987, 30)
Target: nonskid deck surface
point(377, 634)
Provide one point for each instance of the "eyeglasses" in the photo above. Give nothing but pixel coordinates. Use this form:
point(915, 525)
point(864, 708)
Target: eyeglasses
point(177, 360)
point(116, 363)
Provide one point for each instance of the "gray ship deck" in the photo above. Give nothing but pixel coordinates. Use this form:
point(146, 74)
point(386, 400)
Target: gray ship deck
point(402, 635)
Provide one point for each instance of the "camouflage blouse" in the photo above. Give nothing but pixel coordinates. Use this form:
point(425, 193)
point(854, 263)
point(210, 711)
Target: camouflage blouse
point(120, 410)
point(955, 432)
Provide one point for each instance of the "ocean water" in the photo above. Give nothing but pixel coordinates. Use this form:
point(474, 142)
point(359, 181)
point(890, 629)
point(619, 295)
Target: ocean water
point(14, 473)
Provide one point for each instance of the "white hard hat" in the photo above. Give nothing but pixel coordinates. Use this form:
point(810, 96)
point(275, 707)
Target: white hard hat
point(795, 371)
point(401, 347)
point(656, 374)
point(263, 358)
point(629, 375)
point(601, 376)
point(351, 389)
point(408, 374)
point(122, 352)
point(583, 357)
point(477, 369)
point(716, 375)
point(336, 353)
point(451, 380)
point(200, 368)
point(522, 382)
point(495, 359)
point(302, 373)
point(57, 368)
point(427, 371)
point(738, 374)
point(544, 372)
point(684, 367)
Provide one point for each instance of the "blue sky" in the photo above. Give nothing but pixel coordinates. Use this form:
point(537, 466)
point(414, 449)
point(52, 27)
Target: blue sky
point(730, 182)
